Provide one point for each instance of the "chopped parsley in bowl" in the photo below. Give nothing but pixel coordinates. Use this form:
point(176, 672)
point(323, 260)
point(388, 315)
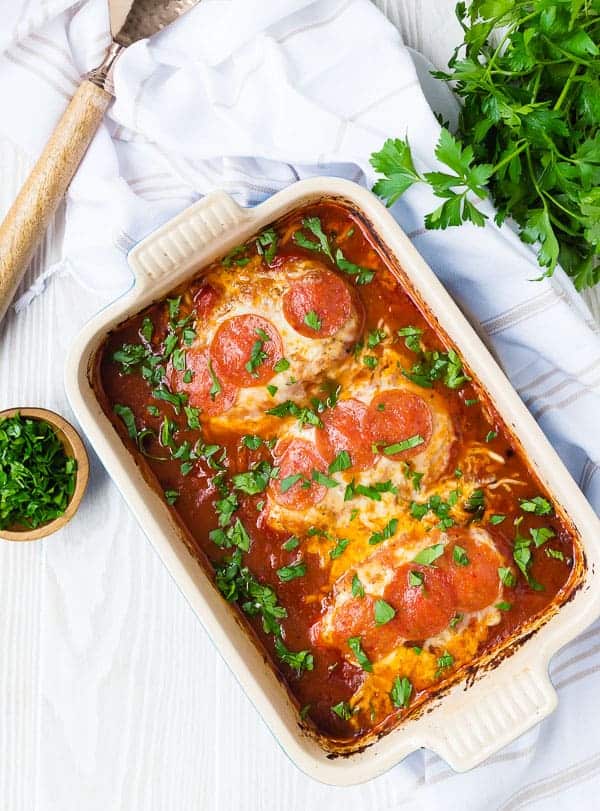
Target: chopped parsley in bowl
point(43, 473)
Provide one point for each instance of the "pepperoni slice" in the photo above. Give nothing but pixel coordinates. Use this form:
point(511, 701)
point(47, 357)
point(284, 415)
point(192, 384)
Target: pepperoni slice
point(397, 415)
point(422, 610)
point(344, 430)
point(476, 583)
point(354, 617)
point(199, 387)
point(298, 459)
point(241, 353)
point(318, 304)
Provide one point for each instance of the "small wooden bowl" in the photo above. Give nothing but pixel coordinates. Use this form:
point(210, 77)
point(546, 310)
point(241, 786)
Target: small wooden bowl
point(74, 447)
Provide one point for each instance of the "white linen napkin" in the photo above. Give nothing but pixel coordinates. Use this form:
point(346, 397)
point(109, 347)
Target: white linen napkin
point(250, 96)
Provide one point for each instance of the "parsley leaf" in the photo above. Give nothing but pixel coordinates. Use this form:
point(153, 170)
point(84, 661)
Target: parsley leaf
point(354, 643)
point(387, 532)
point(313, 224)
point(383, 612)
point(401, 692)
point(312, 320)
point(527, 78)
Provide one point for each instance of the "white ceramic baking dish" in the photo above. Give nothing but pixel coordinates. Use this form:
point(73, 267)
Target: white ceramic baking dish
point(477, 716)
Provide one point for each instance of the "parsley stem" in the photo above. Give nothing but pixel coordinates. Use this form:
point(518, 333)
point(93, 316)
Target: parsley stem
point(508, 158)
point(569, 57)
point(565, 89)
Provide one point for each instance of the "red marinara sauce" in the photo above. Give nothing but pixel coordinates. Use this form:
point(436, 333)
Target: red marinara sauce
point(336, 469)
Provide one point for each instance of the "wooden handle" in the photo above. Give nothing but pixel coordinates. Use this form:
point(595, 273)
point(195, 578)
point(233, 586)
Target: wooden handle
point(28, 217)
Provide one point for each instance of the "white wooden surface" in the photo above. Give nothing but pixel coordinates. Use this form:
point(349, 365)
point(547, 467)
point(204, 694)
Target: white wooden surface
point(112, 696)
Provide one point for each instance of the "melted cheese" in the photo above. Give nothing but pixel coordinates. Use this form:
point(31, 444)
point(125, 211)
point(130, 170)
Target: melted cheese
point(256, 290)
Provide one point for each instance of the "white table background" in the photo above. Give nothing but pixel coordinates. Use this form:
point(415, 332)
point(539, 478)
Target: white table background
point(111, 694)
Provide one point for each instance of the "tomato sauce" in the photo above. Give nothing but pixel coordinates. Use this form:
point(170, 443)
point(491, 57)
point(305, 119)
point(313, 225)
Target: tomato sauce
point(213, 349)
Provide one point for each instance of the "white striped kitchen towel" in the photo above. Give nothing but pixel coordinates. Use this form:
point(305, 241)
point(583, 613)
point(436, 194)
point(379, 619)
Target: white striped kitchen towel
point(249, 96)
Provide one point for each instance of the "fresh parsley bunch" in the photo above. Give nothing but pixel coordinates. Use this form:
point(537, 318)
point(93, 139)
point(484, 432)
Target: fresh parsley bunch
point(528, 74)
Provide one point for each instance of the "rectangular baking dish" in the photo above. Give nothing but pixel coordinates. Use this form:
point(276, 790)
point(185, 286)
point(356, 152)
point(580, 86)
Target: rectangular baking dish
point(475, 717)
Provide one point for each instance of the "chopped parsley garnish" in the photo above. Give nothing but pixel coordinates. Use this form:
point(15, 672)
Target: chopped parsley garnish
point(416, 579)
point(272, 389)
point(339, 548)
point(289, 481)
point(282, 365)
point(507, 576)
point(236, 257)
point(341, 462)
point(251, 441)
point(491, 435)
point(216, 387)
point(503, 606)
point(177, 400)
point(375, 337)
point(354, 643)
point(343, 710)
point(412, 338)
point(537, 506)
point(178, 359)
point(475, 503)
point(192, 415)
point(435, 365)
point(321, 478)
point(237, 583)
point(153, 410)
point(445, 661)
point(361, 274)
point(523, 557)
point(312, 320)
point(266, 245)
point(498, 518)
point(253, 481)
point(298, 660)
point(358, 589)
point(147, 329)
point(554, 553)
point(427, 556)
point(370, 361)
point(291, 572)
point(257, 354)
point(173, 305)
point(384, 612)
point(541, 535)
point(401, 692)
point(387, 532)
point(291, 543)
point(290, 409)
point(372, 491)
point(37, 478)
point(459, 556)
point(438, 507)
point(235, 535)
point(126, 414)
point(225, 507)
point(458, 617)
point(404, 445)
point(313, 224)
point(171, 496)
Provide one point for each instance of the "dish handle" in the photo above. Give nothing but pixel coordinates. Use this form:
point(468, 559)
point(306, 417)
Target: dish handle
point(485, 721)
point(178, 244)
